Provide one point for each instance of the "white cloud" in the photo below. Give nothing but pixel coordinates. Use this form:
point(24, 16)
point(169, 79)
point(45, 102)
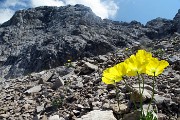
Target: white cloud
point(13, 3)
point(5, 14)
point(102, 8)
point(111, 7)
point(36, 3)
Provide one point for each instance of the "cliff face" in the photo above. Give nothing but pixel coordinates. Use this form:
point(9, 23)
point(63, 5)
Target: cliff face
point(46, 37)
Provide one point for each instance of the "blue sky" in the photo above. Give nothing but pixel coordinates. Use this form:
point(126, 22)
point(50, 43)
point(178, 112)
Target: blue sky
point(145, 10)
point(118, 10)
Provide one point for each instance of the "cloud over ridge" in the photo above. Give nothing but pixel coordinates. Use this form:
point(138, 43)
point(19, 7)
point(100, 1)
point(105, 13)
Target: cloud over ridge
point(102, 8)
point(36, 3)
point(5, 14)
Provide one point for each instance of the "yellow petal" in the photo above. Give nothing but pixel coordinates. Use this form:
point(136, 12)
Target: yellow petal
point(156, 67)
point(121, 68)
point(114, 74)
point(135, 66)
point(107, 81)
point(162, 65)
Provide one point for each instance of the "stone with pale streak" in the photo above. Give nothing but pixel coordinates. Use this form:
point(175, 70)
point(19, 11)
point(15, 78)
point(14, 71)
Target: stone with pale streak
point(98, 115)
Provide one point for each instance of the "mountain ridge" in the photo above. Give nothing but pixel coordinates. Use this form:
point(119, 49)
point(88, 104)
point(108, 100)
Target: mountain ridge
point(46, 37)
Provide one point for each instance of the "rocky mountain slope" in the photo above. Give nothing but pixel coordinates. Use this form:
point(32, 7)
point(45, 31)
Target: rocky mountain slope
point(46, 37)
point(35, 45)
point(75, 91)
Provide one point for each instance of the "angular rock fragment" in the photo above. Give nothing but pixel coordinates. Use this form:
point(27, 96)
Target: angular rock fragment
point(34, 89)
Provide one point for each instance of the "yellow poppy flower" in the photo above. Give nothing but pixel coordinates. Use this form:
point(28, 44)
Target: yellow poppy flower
point(137, 63)
point(114, 74)
point(134, 66)
point(156, 67)
point(143, 56)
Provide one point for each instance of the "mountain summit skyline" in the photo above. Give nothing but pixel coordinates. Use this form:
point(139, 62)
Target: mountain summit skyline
point(117, 10)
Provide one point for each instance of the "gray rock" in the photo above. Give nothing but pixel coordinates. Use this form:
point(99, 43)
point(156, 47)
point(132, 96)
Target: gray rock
point(161, 26)
point(55, 117)
point(173, 58)
point(177, 90)
point(79, 84)
point(58, 82)
point(47, 76)
point(102, 58)
point(92, 66)
point(174, 80)
point(106, 106)
point(176, 65)
point(44, 117)
point(98, 115)
point(34, 89)
point(88, 68)
point(112, 94)
point(76, 112)
point(160, 99)
point(132, 116)
point(2, 116)
point(162, 116)
point(135, 96)
point(146, 86)
point(39, 108)
point(123, 108)
point(177, 21)
point(35, 117)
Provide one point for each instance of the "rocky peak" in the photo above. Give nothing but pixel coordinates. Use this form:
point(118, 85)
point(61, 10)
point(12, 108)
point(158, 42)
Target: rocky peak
point(177, 16)
point(176, 21)
point(162, 27)
point(47, 15)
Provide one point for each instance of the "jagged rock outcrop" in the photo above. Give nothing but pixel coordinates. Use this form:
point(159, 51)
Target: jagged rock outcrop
point(162, 27)
point(176, 21)
point(46, 37)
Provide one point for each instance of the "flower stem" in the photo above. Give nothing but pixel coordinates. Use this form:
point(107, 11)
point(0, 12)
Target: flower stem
point(117, 96)
point(154, 79)
point(143, 83)
point(140, 94)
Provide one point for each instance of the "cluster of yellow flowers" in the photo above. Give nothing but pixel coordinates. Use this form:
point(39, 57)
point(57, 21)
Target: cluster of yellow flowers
point(140, 63)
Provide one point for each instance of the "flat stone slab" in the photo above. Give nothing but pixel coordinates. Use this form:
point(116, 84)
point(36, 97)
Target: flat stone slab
point(98, 115)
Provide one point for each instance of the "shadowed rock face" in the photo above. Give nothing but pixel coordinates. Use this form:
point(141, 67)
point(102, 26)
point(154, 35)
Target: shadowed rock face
point(176, 21)
point(46, 37)
point(162, 27)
